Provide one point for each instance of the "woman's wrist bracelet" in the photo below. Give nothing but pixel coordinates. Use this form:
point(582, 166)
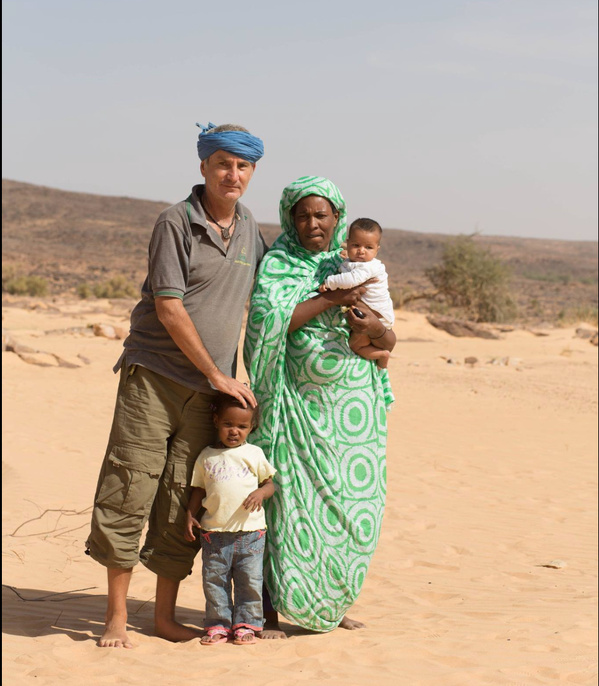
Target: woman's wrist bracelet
point(375, 338)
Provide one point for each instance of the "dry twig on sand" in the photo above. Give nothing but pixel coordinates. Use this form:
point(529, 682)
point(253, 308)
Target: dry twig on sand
point(63, 513)
point(51, 597)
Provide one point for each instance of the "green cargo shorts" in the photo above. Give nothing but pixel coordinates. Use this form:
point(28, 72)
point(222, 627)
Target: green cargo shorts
point(159, 429)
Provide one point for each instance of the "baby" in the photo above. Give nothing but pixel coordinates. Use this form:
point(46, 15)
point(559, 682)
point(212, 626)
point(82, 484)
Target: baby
point(363, 244)
point(231, 480)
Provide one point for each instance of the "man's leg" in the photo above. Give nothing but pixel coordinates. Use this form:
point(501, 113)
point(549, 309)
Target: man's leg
point(115, 632)
point(165, 625)
point(127, 487)
point(166, 552)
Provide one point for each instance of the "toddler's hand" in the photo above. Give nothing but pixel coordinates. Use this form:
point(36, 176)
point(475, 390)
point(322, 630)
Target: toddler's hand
point(254, 501)
point(191, 522)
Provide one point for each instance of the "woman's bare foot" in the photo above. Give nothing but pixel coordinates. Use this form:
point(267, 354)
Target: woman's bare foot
point(351, 624)
point(171, 630)
point(271, 629)
point(115, 635)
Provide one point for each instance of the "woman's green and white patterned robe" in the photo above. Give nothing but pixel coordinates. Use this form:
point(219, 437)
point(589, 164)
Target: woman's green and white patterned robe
point(322, 426)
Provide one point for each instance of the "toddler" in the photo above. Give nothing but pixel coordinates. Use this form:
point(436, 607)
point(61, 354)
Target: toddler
point(231, 479)
point(363, 244)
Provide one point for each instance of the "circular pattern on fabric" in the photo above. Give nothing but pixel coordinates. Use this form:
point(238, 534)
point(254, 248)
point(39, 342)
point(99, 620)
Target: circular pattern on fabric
point(362, 470)
point(275, 266)
point(356, 415)
point(307, 546)
point(275, 517)
point(357, 574)
point(280, 458)
point(335, 574)
point(295, 596)
point(366, 519)
point(383, 477)
point(332, 520)
point(315, 400)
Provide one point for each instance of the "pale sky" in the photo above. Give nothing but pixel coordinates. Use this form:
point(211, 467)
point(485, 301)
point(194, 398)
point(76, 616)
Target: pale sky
point(441, 116)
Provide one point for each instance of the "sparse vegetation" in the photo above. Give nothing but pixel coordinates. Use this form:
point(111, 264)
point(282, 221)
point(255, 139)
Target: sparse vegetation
point(84, 291)
point(116, 287)
point(584, 313)
point(76, 242)
point(475, 281)
point(21, 284)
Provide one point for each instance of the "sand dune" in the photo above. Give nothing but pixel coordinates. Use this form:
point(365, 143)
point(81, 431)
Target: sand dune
point(486, 572)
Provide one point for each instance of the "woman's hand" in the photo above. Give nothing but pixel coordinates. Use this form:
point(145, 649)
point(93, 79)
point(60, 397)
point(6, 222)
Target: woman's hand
point(345, 296)
point(307, 310)
point(372, 327)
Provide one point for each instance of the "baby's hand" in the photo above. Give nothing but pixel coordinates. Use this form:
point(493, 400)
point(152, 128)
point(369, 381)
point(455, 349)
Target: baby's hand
point(322, 288)
point(254, 500)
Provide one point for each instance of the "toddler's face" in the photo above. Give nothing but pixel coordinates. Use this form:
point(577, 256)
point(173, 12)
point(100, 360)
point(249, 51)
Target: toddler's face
point(362, 246)
point(233, 425)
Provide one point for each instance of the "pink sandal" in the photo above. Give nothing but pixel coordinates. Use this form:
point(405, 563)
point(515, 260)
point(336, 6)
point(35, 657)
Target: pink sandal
point(244, 637)
point(220, 634)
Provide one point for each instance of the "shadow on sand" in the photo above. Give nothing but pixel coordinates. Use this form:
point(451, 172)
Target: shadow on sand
point(79, 614)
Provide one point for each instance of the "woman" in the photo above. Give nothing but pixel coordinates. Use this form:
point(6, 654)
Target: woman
point(323, 423)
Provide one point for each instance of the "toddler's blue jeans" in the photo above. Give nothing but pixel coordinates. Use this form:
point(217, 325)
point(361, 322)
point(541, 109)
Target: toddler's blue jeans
point(232, 576)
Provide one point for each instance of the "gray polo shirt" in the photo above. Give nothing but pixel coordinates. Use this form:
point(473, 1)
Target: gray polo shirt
point(188, 260)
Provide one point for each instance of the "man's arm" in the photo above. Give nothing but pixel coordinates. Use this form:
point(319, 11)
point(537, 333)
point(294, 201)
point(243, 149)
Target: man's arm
point(173, 316)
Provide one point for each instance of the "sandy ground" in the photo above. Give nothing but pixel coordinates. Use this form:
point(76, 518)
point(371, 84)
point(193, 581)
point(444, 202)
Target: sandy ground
point(486, 572)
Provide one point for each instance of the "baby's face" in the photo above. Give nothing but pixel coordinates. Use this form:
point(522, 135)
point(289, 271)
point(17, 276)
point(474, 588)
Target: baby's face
point(362, 246)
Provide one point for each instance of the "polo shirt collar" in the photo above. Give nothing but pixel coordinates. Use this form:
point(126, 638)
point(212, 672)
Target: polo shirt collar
point(198, 216)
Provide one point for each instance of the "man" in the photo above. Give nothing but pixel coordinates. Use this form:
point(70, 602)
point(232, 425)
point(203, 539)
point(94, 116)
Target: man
point(181, 350)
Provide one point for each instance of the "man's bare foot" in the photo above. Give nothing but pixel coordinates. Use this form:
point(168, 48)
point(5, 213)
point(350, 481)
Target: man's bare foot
point(115, 636)
point(351, 624)
point(175, 632)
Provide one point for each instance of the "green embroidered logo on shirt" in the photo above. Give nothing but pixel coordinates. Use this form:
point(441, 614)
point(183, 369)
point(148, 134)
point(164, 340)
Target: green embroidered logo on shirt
point(242, 259)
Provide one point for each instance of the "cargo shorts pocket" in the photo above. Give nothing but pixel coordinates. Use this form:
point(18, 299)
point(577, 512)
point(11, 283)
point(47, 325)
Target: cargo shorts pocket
point(130, 480)
point(181, 476)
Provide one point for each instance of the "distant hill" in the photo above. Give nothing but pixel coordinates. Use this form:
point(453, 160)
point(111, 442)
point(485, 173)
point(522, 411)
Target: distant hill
point(73, 238)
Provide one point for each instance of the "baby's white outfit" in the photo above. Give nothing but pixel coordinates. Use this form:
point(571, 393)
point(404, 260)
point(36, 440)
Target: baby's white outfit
point(377, 295)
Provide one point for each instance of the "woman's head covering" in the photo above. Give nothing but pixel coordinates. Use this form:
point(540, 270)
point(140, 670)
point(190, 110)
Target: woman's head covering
point(312, 185)
point(240, 143)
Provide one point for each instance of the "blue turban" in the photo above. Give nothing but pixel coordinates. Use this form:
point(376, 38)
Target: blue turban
point(240, 143)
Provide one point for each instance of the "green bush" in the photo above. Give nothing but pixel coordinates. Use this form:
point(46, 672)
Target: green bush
point(84, 291)
point(116, 287)
point(472, 279)
point(19, 284)
point(582, 313)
